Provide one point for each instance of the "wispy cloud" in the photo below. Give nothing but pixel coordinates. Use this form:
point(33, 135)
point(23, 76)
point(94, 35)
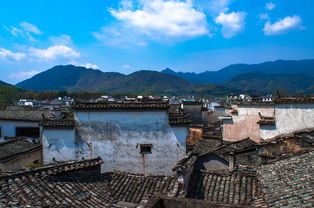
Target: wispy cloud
point(61, 40)
point(284, 25)
point(126, 66)
point(22, 75)
point(30, 28)
point(86, 65)
point(270, 6)
point(24, 30)
point(54, 52)
point(232, 23)
point(9, 55)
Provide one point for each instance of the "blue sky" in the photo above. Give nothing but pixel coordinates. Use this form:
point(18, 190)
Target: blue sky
point(126, 36)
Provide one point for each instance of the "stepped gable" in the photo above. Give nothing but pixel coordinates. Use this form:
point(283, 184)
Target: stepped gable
point(134, 188)
point(233, 188)
point(121, 105)
point(177, 116)
point(266, 121)
point(66, 120)
point(17, 148)
point(288, 181)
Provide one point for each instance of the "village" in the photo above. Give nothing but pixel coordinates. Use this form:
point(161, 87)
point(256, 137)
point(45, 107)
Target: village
point(158, 152)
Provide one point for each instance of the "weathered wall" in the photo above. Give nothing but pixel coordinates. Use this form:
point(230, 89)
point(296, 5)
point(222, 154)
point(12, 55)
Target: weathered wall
point(59, 144)
point(8, 127)
point(289, 118)
point(21, 162)
point(195, 134)
point(116, 136)
point(245, 124)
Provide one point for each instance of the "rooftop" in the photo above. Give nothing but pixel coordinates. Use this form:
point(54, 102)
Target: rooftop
point(288, 182)
point(110, 105)
point(234, 188)
point(16, 148)
point(21, 114)
point(65, 185)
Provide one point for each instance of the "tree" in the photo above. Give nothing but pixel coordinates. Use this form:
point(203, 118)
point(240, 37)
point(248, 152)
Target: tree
point(9, 95)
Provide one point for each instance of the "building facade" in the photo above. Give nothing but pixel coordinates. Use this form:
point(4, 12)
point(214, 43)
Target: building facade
point(139, 137)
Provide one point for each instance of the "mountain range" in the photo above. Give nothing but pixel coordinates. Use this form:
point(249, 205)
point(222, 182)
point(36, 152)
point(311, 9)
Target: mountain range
point(305, 67)
point(293, 77)
point(74, 78)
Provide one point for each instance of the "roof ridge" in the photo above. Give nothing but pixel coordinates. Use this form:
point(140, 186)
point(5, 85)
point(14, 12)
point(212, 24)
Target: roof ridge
point(63, 165)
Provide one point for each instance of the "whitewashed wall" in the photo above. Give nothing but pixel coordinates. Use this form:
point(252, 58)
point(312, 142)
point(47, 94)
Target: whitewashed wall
point(245, 124)
point(116, 136)
point(8, 127)
point(58, 144)
point(289, 118)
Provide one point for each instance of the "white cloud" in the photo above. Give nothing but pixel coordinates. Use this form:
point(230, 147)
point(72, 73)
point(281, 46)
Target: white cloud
point(215, 7)
point(86, 65)
point(263, 16)
point(13, 30)
point(54, 52)
point(283, 25)
point(25, 30)
point(30, 28)
point(22, 75)
point(232, 23)
point(167, 18)
point(126, 66)
point(9, 55)
point(270, 6)
point(61, 40)
point(119, 36)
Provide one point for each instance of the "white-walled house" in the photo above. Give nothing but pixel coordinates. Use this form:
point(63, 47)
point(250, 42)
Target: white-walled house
point(262, 121)
point(20, 122)
point(290, 114)
point(129, 137)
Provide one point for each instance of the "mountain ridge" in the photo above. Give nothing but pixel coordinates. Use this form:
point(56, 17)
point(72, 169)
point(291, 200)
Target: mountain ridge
point(293, 76)
point(305, 67)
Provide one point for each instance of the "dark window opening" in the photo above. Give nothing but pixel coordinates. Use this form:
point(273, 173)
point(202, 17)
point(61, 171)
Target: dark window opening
point(27, 132)
point(36, 162)
point(146, 148)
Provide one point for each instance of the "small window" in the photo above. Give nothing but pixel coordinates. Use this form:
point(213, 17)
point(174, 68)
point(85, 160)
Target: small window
point(146, 148)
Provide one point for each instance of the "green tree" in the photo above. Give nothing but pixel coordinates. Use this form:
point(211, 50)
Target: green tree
point(9, 95)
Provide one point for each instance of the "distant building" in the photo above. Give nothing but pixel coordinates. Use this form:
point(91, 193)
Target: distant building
point(264, 120)
point(132, 137)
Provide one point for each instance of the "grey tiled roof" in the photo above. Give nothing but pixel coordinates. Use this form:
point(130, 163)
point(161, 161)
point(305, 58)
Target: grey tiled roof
point(55, 186)
point(23, 115)
point(16, 147)
point(289, 182)
point(235, 188)
point(136, 187)
point(67, 120)
point(88, 106)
